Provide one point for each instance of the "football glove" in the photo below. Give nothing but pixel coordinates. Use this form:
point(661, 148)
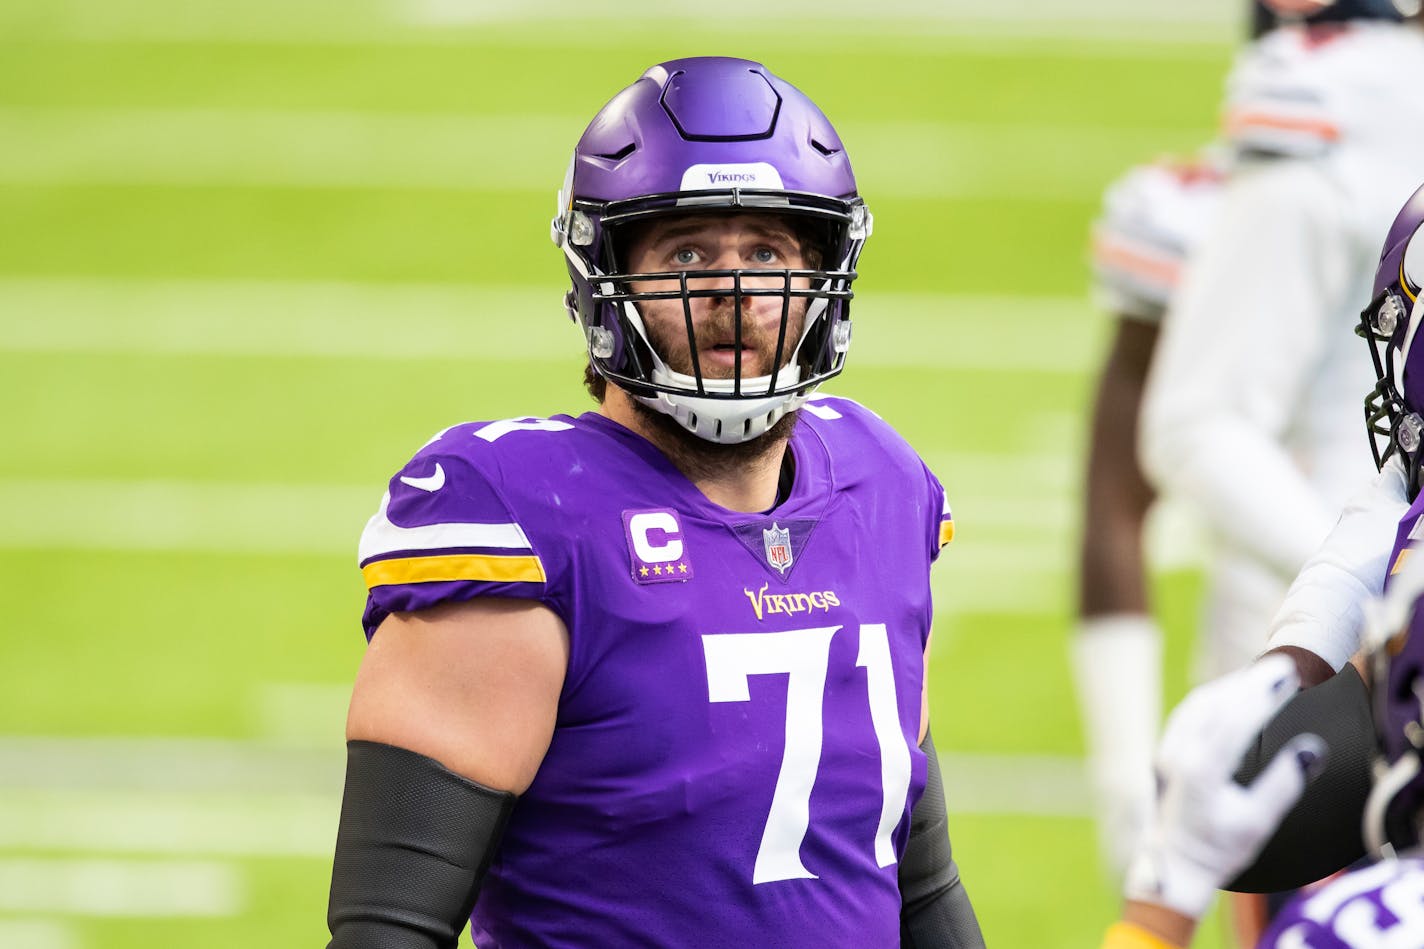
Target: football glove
point(1207, 827)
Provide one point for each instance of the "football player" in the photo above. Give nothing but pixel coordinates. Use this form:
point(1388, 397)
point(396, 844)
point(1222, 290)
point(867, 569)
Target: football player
point(1209, 824)
point(654, 674)
point(1151, 218)
point(1248, 411)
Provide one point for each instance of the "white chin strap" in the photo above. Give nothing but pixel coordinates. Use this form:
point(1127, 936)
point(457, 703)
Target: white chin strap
point(727, 421)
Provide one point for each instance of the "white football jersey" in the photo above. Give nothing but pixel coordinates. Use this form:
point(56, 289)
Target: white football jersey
point(1152, 218)
point(1253, 410)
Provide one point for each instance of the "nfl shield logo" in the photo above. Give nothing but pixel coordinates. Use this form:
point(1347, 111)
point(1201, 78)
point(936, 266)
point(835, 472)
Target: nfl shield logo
point(778, 547)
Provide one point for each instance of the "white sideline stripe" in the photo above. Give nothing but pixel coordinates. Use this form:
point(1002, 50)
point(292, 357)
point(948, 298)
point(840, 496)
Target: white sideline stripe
point(119, 888)
point(295, 149)
point(454, 322)
point(326, 519)
point(171, 824)
point(833, 24)
point(120, 809)
point(38, 934)
point(923, 12)
point(177, 515)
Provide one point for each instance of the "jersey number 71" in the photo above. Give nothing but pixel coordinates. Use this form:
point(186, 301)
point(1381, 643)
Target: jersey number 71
point(803, 655)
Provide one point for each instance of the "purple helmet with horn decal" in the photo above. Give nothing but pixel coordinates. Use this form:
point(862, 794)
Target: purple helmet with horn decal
point(1394, 409)
point(705, 136)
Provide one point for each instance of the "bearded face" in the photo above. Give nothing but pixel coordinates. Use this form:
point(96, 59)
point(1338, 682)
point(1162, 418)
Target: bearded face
point(722, 242)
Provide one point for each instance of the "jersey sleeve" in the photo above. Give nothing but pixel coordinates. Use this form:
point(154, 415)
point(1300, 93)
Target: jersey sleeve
point(1323, 611)
point(1151, 219)
point(942, 527)
point(444, 533)
point(1281, 95)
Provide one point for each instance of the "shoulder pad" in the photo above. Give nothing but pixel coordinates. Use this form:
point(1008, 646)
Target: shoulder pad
point(1152, 218)
point(1299, 90)
point(445, 531)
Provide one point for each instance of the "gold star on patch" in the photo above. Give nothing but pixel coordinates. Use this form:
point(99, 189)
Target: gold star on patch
point(643, 571)
point(682, 568)
point(658, 571)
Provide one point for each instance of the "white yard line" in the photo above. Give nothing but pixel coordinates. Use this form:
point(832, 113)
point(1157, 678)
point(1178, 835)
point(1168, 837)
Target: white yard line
point(1002, 539)
point(433, 321)
point(169, 823)
point(173, 797)
point(314, 149)
point(119, 888)
point(833, 24)
point(184, 516)
point(38, 933)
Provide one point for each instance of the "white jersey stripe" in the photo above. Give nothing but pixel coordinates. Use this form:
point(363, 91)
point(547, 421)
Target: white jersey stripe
point(383, 537)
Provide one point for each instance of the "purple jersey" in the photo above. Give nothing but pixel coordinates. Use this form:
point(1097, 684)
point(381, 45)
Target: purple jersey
point(1411, 531)
point(735, 755)
point(1379, 907)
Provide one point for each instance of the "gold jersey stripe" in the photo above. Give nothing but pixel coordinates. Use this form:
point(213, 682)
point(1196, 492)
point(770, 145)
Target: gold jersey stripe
point(493, 569)
point(946, 532)
point(1399, 561)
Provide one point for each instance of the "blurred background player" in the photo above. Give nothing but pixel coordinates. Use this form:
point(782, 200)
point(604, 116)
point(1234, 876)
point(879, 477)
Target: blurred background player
point(1250, 416)
point(1216, 809)
point(1151, 219)
point(1251, 411)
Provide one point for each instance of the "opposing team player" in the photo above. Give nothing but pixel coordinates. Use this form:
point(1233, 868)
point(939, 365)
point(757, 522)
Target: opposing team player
point(1209, 826)
point(1250, 412)
point(1151, 219)
point(655, 675)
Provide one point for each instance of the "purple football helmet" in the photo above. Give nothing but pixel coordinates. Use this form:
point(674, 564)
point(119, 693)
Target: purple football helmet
point(1395, 646)
point(699, 136)
point(1394, 409)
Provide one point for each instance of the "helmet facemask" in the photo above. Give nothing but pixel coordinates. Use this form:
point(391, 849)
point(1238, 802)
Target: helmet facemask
point(812, 334)
point(1394, 408)
point(1389, 324)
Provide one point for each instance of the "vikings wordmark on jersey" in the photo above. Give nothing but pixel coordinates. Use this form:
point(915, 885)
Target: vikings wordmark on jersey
point(730, 675)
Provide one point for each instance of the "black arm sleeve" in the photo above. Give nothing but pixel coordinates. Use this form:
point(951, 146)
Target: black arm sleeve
point(934, 908)
point(414, 842)
point(1321, 833)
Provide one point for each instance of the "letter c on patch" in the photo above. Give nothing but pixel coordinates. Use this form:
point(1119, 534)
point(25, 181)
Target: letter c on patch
point(656, 537)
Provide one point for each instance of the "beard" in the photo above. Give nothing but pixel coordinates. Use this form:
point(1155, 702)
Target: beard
point(698, 458)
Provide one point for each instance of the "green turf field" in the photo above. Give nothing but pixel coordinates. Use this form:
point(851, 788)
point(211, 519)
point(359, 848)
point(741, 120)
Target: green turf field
point(253, 255)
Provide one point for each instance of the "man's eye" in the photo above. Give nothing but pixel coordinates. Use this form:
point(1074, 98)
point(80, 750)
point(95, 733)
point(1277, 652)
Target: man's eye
point(684, 256)
point(765, 255)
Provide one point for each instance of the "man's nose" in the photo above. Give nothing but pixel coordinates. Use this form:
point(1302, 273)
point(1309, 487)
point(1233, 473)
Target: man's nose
point(727, 258)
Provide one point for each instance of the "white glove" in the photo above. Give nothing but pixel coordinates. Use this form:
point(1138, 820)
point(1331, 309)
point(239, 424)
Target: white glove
point(1207, 828)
